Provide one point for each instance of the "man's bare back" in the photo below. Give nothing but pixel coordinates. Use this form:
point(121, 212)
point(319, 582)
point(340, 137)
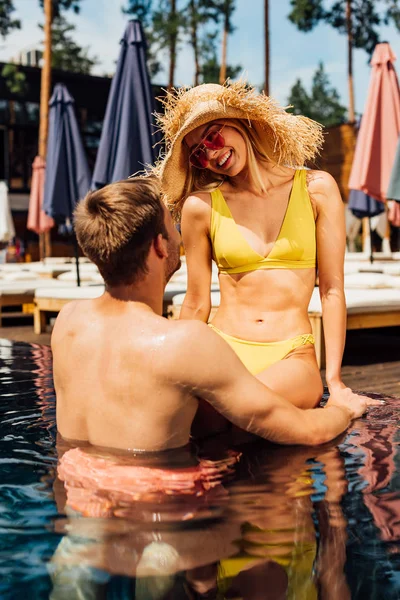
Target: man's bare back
point(112, 371)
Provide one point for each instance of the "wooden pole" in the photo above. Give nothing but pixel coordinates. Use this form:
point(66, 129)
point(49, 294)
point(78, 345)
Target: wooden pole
point(172, 45)
point(352, 117)
point(45, 84)
point(266, 40)
point(45, 80)
point(222, 70)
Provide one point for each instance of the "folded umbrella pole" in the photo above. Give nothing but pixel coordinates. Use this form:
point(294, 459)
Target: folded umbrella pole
point(362, 205)
point(67, 171)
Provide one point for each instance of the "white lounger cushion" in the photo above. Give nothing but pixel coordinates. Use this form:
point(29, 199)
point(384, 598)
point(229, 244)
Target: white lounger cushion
point(58, 260)
point(94, 291)
point(392, 269)
point(83, 275)
point(70, 293)
point(28, 287)
point(371, 281)
point(40, 268)
point(357, 301)
point(362, 301)
point(19, 276)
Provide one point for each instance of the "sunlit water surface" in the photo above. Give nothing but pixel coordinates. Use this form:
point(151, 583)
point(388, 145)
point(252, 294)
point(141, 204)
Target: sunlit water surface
point(276, 523)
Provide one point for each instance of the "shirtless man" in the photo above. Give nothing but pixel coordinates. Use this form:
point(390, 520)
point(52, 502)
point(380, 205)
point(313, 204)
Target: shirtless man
point(126, 377)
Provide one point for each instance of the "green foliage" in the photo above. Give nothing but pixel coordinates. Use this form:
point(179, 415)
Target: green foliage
point(306, 14)
point(322, 105)
point(200, 14)
point(195, 21)
point(7, 24)
point(167, 23)
point(140, 9)
point(15, 80)
point(65, 52)
point(211, 66)
point(143, 10)
point(61, 5)
point(225, 10)
point(366, 17)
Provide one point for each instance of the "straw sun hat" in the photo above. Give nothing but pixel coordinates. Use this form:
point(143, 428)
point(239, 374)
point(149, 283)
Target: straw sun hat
point(289, 139)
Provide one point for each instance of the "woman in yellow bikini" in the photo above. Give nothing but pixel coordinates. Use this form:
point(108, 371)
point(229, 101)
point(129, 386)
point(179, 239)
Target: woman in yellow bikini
point(234, 174)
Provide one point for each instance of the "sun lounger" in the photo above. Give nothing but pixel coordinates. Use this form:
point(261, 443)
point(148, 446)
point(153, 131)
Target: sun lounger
point(52, 299)
point(85, 275)
point(366, 308)
point(366, 256)
point(21, 293)
point(371, 281)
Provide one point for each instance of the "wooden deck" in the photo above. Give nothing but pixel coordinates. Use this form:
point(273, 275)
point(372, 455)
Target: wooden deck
point(371, 361)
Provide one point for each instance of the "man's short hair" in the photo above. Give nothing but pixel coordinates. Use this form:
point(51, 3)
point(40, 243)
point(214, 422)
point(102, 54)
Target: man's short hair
point(116, 226)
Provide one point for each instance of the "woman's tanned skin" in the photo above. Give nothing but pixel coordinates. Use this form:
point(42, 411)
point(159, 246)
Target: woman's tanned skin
point(268, 305)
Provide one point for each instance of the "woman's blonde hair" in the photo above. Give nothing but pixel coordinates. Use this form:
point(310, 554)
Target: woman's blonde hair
point(204, 180)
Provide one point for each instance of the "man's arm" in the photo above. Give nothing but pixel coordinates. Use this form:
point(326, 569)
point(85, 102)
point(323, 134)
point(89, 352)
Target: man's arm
point(211, 370)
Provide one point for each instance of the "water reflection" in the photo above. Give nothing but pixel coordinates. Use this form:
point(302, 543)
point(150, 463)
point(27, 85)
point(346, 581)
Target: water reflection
point(294, 523)
point(260, 540)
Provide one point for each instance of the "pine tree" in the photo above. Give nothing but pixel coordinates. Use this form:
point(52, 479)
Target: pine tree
point(65, 52)
point(200, 12)
point(211, 67)
point(225, 9)
point(357, 19)
point(163, 24)
point(323, 104)
point(62, 5)
point(7, 23)
point(167, 26)
point(143, 10)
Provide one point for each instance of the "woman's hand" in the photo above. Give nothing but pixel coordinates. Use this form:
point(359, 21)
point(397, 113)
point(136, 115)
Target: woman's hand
point(340, 394)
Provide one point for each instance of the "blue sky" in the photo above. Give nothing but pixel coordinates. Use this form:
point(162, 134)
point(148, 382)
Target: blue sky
point(293, 54)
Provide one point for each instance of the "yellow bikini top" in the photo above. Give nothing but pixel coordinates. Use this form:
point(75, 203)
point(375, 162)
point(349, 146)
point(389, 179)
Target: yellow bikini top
point(294, 248)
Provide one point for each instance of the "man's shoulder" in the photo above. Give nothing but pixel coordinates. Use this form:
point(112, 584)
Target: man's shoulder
point(187, 330)
point(185, 337)
point(75, 308)
point(68, 316)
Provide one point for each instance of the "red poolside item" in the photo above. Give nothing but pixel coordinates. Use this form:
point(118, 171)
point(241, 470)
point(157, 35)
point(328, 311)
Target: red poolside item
point(98, 486)
point(380, 128)
point(38, 221)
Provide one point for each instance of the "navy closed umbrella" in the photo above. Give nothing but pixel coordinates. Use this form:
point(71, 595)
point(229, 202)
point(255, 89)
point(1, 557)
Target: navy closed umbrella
point(67, 171)
point(362, 205)
point(127, 137)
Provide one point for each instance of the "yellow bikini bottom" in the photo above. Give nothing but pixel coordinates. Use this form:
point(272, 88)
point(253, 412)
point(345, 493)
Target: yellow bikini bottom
point(298, 564)
point(258, 356)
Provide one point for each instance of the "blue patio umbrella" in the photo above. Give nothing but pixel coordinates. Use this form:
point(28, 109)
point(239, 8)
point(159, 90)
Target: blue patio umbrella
point(67, 171)
point(362, 205)
point(127, 137)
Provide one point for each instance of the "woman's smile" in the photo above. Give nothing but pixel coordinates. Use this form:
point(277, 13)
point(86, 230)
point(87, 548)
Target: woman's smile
point(224, 161)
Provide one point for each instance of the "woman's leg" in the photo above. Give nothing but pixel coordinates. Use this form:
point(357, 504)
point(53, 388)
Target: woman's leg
point(296, 377)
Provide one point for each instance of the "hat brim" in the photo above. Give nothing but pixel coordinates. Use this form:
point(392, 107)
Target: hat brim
point(288, 139)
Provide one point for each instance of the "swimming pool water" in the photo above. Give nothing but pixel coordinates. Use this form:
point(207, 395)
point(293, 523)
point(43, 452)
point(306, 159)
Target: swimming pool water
point(297, 523)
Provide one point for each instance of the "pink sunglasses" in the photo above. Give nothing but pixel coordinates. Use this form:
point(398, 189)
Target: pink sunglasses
point(213, 140)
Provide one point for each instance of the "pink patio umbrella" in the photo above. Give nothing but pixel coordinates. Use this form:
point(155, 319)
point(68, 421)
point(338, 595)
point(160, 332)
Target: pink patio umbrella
point(380, 128)
point(38, 221)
